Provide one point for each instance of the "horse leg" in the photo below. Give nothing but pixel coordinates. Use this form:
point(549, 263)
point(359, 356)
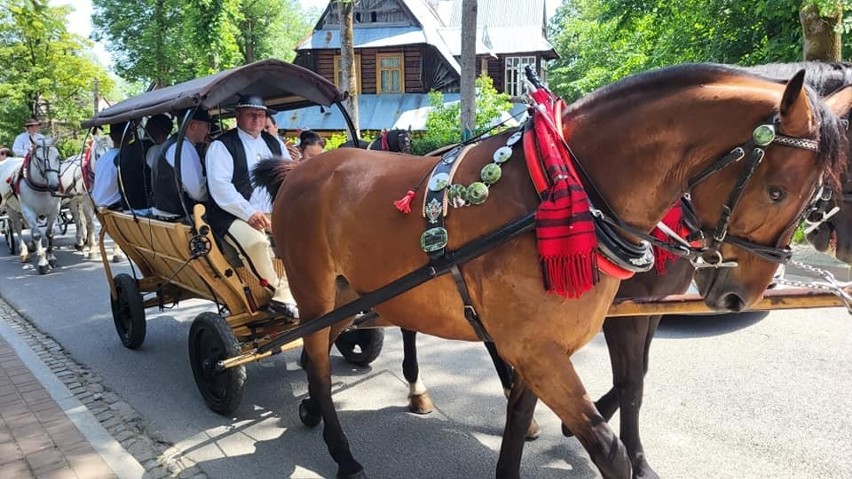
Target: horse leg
point(16, 220)
point(507, 379)
point(88, 217)
point(49, 232)
point(35, 235)
point(316, 362)
point(551, 375)
point(75, 207)
point(419, 401)
point(629, 341)
point(519, 415)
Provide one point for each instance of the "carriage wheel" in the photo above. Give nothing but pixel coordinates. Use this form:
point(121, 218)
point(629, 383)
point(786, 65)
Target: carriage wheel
point(360, 346)
point(212, 340)
point(10, 236)
point(128, 311)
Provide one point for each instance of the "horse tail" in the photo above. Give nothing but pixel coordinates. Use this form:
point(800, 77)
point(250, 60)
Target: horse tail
point(270, 173)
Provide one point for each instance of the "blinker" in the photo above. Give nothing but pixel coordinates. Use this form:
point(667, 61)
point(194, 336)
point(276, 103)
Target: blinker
point(764, 135)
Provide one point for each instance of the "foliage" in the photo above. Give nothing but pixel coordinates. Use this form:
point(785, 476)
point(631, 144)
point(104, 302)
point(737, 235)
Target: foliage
point(170, 41)
point(600, 41)
point(48, 72)
point(340, 137)
point(443, 122)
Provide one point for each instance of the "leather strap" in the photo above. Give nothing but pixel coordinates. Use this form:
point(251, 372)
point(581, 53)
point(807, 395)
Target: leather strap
point(469, 311)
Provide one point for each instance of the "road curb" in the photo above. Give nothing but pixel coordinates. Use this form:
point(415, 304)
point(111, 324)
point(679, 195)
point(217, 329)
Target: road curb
point(111, 425)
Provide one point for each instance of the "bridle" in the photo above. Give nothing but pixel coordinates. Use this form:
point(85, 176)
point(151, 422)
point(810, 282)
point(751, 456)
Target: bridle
point(42, 164)
point(709, 255)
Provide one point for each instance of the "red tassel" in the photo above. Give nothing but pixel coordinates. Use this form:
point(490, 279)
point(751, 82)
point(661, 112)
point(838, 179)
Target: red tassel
point(404, 204)
point(264, 283)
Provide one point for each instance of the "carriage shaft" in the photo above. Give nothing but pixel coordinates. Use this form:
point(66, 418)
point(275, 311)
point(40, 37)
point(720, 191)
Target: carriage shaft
point(797, 298)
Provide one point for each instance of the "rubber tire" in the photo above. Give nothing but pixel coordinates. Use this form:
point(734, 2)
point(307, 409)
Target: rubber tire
point(128, 311)
point(212, 340)
point(10, 238)
point(370, 342)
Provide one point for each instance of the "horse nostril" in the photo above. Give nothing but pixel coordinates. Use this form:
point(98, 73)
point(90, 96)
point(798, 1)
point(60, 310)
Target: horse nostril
point(733, 302)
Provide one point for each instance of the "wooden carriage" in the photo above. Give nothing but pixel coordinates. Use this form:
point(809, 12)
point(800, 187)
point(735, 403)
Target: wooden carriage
point(180, 260)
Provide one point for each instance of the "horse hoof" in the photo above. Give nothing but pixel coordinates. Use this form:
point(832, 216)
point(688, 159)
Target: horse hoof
point(566, 432)
point(533, 431)
point(52, 263)
point(309, 413)
point(43, 269)
point(355, 475)
point(117, 259)
point(78, 247)
point(420, 404)
point(25, 259)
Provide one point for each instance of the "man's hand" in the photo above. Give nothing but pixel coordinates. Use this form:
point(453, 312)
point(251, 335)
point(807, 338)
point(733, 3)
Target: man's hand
point(295, 154)
point(259, 221)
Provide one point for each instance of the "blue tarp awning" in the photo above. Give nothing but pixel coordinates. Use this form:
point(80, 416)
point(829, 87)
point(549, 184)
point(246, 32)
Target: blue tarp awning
point(404, 111)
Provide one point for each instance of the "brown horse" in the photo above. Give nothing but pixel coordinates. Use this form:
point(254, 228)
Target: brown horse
point(340, 237)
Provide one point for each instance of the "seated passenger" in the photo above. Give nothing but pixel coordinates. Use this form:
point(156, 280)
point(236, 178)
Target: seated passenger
point(105, 191)
point(167, 198)
point(310, 144)
point(158, 128)
point(236, 210)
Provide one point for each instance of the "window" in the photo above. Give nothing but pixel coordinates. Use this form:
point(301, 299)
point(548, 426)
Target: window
point(390, 77)
point(338, 71)
point(515, 76)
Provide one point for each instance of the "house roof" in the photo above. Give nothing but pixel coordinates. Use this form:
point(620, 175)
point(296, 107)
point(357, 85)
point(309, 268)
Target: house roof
point(503, 29)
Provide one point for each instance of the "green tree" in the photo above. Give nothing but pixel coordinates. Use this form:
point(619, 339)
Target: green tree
point(443, 122)
point(170, 41)
point(48, 72)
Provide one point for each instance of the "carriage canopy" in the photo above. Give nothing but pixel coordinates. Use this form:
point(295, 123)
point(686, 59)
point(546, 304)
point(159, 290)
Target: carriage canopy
point(282, 85)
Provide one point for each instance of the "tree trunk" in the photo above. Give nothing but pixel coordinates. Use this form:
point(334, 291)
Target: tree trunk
point(468, 68)
point(821, 37)
point(347, 60)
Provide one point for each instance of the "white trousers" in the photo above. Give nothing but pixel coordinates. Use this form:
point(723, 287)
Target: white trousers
point(255, 245)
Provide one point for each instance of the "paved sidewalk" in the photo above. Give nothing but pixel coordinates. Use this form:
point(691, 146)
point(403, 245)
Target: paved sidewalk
point(45, 432)
point(37, 439)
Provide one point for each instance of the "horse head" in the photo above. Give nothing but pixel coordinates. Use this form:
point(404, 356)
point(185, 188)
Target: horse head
point(830, 221)
point(45, 163)
point(751, 152)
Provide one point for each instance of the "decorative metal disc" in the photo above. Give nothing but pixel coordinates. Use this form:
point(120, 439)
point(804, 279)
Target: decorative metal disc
point(433, 239)
point(514, 138)
point(439, 182)
point(502, 154)
point(477, 193)
point(434, 210)
point(456, 195)
point(491, 173)
point(763, 135)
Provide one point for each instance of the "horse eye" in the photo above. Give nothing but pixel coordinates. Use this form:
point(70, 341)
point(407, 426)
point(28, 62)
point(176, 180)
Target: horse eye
point(775, 194)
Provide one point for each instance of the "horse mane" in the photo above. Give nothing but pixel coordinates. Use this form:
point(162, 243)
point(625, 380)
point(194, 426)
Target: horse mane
point(824, 77)
point(269, 174)
point(833, 144)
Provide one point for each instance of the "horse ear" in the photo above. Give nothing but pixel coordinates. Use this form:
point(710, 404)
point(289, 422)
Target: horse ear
point(796, 116)
point(840, 101)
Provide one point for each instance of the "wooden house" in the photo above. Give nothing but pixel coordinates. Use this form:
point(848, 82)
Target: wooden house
point(407, 48)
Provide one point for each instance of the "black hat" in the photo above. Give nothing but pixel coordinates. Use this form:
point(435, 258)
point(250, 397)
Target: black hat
point(160, 123)
point(201, 114)
point(251, 101)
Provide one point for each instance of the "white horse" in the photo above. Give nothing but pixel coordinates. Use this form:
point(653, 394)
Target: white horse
point(34, 187)
point(76, 182)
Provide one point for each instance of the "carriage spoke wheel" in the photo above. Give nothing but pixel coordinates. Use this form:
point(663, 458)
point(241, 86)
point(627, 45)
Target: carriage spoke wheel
point(210, 341)
point(10, 236)
point(128, 311)
point(360, 346)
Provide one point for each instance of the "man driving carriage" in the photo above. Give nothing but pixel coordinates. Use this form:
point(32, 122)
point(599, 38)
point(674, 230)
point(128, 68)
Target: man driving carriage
point(24, 141)
point(237, 211)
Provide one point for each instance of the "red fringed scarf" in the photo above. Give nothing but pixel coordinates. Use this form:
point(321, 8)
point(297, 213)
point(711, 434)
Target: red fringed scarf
point(564, 227)
point(674, 220)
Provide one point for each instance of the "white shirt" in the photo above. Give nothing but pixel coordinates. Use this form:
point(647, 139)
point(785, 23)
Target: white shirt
point(190, 173)
point(220, 175)
point(105, 191)
point(152, 154)
point(22, 143)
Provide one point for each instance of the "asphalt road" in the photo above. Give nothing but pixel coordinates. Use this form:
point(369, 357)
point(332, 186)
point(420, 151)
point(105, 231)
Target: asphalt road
point(748, 396)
